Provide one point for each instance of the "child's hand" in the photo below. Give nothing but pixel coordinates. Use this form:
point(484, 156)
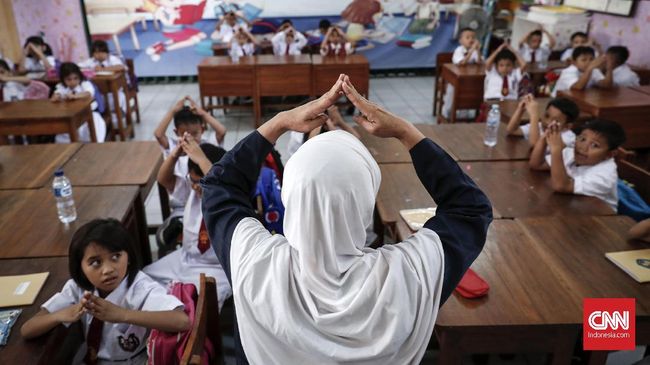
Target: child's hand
point(179, 104)
point(72, 313)
point(532, 105)
point(56, 97)
point(597, 62)
point(191, 147)
point(610, 62)
point(177, 151)
point(102, 309)
point(553, 137)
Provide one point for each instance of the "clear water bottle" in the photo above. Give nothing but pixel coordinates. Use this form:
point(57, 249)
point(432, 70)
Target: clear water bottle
point(234, 55)
point(492, 126)
point(63, 195)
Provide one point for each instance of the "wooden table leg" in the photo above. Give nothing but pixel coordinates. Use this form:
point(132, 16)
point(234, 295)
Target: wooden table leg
point(115, 90)
point(141, 217)
point(134, 37)
point(118, 48)
point(450, 353)
point(597, 357)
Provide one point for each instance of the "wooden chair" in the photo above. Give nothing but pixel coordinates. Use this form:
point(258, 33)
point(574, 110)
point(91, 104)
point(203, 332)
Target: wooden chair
point(441, 59)
point(637, 176)
point(206, 325)
point(131, 93)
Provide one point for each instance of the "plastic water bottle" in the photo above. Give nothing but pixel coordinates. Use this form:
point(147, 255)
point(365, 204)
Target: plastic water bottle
point(234, 56)
point(63, 195)
point(492, 126)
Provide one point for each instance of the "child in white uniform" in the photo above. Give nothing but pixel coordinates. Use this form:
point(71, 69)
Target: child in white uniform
point(242, 44)
point(74, 85)
point(335, 44)
point(503, 72)
point(38, 56)
point(288, 42)
point(227, 27)
point(468, 52)
point(196, 254)
point(560, 110)
point(584, 71)
point(622, 74)
point(579, 39)
point(531, 48)
point(116, 303)
point(13, 87)
point(589, 167)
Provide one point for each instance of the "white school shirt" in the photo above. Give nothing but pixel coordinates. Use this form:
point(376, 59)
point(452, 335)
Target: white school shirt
point(280, 44)
point(541, 54)
point(248, 49)
point(120, 341)
point(110, 61)
point(337, 49)
point(493, 84)
point(227, 32)
point(12, 91)
point(623, 76)
point(568, 137)
point(36, 65)
point(186, 264)
point(459, 54)
point(567, 55)
point(570, 76)
point(84, 86)
point(596, 180)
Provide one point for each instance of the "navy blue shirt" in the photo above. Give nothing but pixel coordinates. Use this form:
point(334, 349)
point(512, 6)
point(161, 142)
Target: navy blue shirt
point(461, 221)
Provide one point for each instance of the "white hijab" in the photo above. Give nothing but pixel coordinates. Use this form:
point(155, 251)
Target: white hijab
point(319, 296)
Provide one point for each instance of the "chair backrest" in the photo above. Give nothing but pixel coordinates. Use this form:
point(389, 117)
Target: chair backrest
point(99, 98)
point(637, 176)
point(441, 59)
point(206, 325)
point(133, 79)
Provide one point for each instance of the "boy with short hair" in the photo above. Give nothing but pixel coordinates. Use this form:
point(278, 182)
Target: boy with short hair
point(584, 71)
point(467, 52)
point(531, 48)
point(618, 73)
point(579, 39)
point(588, 168)
point(561, 110)
point(288, 41)
point(503, 72)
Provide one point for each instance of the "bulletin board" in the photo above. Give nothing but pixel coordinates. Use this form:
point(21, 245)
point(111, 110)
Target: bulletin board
point(614, 7)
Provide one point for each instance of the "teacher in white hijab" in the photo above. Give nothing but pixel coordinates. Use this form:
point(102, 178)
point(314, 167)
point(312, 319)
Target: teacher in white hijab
point(317, 295)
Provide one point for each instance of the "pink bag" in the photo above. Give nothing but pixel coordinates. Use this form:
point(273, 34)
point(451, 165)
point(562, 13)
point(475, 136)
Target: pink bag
point(36, 90)
point(167, 348)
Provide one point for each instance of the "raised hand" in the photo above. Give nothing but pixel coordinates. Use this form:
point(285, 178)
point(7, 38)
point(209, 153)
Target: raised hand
point(554, 137)
point(103, 309)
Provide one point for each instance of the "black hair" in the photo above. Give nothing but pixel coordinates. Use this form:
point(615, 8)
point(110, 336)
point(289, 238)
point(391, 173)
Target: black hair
point(4, 65)
point(612, 131)
point(186, 116)
point(99, 46)
point(286, 21)
point(466, 29)
point(69, 68)
point(567, 107)
point(324, 24)
point(38, 41)
point(212, 152)
point(505, 54)
point(620, 53)
point(578, 34)
point(536, 32)
point(107, 233)
point(579, 51)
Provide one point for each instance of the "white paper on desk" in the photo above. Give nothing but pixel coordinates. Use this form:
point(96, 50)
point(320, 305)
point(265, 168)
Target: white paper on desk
point(416, 218)
point(35, 75)
point(104, 73)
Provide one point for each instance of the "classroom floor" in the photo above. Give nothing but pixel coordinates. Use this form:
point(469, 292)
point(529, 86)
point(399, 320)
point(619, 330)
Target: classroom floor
point(409, 97)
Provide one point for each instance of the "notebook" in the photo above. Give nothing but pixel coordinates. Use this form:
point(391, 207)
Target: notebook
point(20, 289)
point(415, 218)
point(635, 263)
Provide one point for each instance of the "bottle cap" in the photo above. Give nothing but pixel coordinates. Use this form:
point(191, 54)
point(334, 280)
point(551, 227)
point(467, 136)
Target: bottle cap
point(58, 172)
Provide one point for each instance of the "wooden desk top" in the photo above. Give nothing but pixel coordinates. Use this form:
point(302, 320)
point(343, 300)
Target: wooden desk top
point(401, 189)
point(42, 109)
point(618, 98)
point(32, 166)
point(114, 163)
point(508, 108)
point(18, 350)
point(226, 61)
point(517, 191)
point(273, 60)
point(643, 88)
point(29, 225)
point(534, 68)
point(525, 289)
point(577, 248)
point(354, 59)
point(472, 70)
point(465, 141)
point(390, 150)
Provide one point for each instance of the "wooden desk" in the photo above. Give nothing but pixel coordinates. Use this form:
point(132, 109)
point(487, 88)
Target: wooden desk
point(326, 71)
point(30, 227)
point(119, 163)
point(109, 85)
point(528, 308)
point(35, 117)
point(643, 88)
point(401, 189)
point(32, 166)
point(517, 191)
point(281, 76)
point(220, 77)
point(628, 107)
point(465, 142)
point(468, 87)
point(41, 350)
point(390, 150)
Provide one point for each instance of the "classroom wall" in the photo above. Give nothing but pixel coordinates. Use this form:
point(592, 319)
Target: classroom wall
point(60, 20)
point(632, 32)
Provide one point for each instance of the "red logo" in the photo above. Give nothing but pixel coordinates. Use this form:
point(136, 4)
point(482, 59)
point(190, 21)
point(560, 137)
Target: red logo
point(608, 324)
